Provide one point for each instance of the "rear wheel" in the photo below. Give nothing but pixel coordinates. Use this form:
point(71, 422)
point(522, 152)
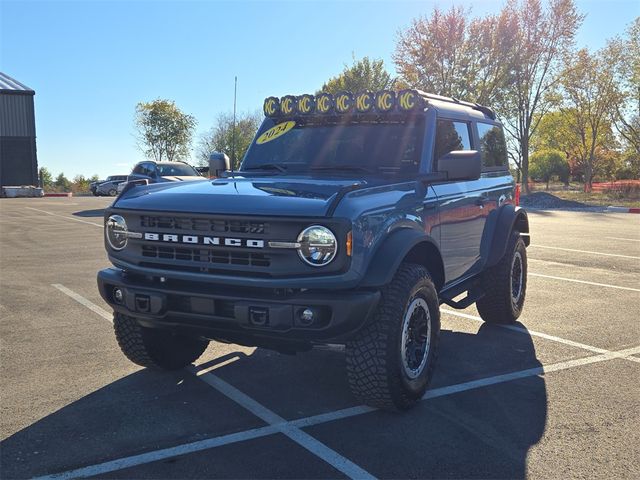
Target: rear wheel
point(505, 285)
point(156, 348)
point(390, 363)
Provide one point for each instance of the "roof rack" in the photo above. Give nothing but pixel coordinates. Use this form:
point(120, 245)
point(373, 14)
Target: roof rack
point(486, 110)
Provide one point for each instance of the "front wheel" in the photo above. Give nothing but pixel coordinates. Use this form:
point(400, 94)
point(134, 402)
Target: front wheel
point(113, 192)
point(505, 285)
point(156, 348)
point(391, 361)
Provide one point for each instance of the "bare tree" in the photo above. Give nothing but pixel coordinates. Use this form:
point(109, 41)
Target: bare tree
point(626, 53)
point(447, 54)
point(220, 138)
point(543, 38)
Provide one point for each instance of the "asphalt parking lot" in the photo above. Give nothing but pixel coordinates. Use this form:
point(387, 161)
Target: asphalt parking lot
point(557, 396)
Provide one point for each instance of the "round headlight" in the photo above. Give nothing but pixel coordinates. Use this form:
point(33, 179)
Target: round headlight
point(116, 232)
point(318, 245)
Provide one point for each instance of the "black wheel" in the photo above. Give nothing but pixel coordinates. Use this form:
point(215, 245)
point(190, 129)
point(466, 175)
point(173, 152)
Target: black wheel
point(391, 361)
point(113, 192)
point(505, 285)
point(156, 348)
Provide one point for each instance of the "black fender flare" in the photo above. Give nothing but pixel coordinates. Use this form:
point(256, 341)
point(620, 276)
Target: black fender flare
point(392, 251)
point(499, 228)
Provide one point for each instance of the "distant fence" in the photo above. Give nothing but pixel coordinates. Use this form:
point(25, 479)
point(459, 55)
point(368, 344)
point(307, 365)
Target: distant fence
point(617, 186)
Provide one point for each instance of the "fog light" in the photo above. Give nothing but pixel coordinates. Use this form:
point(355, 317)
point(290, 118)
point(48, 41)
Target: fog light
point(118, 296)
point(307, 316)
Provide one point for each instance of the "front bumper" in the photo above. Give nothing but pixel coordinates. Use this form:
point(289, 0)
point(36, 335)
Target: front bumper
point(242, 315)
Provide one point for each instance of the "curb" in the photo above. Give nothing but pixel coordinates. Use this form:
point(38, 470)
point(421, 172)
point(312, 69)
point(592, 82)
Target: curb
point(68, 195)
point(623, 209)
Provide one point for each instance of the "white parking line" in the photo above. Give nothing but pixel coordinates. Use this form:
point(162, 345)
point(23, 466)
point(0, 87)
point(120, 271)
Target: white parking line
point(85, 302)
point(573, 280)
point(67, 217)
point(292, 429)
point(624, 239)
point(154, 456)
point(584, 251)
point(157, 455)
point(303, 439)
point(553, 338)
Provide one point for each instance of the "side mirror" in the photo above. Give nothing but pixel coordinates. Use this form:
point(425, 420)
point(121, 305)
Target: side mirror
point(218, 163)
point(461, 165)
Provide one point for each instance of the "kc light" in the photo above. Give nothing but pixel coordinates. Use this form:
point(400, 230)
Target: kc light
point(288, 105)
point(410, 100)
point(306, 104)
point(364, 102)
point(324, 103)
point(271, 106)
point(318, 245)
point(385, 100)
point(344, 102)
point(116, 232)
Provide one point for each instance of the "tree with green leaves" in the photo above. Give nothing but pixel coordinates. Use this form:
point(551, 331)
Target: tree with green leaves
point(591, 94)
point(164, 131)
point(220, 138)
point(362, 75)
point(80, 184)
point(62, 183)
point(549, 164)
point(46, 178)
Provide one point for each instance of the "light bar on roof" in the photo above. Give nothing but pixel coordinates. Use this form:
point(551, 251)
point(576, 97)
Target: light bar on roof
point(345, 103)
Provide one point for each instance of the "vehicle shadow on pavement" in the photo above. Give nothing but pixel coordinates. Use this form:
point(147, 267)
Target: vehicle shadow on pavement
point(482, 432)
point(97, 212)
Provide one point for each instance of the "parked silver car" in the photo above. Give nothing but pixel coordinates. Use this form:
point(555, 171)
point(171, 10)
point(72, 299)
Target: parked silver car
point(109, 186)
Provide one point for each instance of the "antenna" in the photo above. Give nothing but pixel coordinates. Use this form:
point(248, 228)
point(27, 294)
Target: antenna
point(233, 128)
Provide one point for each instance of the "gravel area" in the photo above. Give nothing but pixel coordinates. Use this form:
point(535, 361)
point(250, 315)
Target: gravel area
point(547, 201)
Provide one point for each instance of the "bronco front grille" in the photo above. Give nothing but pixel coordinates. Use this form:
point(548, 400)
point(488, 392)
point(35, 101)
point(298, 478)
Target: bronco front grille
point(201, 224)
point(206, 255)
point(221, 244)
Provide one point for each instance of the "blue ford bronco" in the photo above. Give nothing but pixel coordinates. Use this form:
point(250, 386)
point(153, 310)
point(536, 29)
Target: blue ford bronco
point(350, 220)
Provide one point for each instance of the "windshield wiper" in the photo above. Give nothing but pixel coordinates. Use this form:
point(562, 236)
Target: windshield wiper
point(343, 168)
point(268, 166)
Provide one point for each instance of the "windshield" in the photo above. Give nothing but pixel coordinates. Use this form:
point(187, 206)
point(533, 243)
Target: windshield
point(176, 170)
point(368, 147)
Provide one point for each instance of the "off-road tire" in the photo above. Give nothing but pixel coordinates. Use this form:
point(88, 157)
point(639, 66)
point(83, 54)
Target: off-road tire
point(497, 305)
point(155, 348)
point(375, 366)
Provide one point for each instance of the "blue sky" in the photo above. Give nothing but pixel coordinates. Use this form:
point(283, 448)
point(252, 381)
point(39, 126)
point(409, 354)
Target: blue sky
point(90, 62)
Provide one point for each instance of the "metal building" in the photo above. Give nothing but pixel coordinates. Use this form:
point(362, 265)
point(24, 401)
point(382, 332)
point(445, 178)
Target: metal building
point(18, 161)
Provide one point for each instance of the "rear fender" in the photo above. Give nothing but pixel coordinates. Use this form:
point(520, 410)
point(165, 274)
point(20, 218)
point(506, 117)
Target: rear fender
point(498, 229)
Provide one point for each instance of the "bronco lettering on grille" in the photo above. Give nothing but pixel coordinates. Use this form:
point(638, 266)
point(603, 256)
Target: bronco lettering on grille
point(204, 240)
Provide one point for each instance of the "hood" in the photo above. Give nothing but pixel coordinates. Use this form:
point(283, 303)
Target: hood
point(239, 196)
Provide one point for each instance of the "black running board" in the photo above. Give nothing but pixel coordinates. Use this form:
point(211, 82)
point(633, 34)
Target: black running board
point(474, 293)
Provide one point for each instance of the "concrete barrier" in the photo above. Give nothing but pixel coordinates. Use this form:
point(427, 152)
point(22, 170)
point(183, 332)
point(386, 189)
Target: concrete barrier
point(21, 191)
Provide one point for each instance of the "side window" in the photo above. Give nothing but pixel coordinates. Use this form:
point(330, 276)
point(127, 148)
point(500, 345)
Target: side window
point(492, 145)
point(139, 169)
point(146, 169)
point(451, 136)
